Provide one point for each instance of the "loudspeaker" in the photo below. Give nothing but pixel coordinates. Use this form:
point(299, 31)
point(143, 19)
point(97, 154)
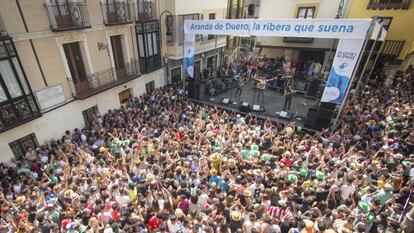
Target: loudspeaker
point(311, 117)
point(313, 88)
point(328, 106)
point(197, 74)
point(325, 113)
point(196, 90)
point(244, 107)
point(322, 123)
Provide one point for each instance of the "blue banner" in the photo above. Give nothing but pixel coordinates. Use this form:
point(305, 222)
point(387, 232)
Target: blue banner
point(346, 57)
point(188, 58)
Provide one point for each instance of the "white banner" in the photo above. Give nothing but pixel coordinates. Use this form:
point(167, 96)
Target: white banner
point(189, 47)
point(343, 66)
point(315, 28)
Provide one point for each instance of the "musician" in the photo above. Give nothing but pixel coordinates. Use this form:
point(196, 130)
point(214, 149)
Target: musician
point(240, 85)
point(288, 95)
point(261, 87)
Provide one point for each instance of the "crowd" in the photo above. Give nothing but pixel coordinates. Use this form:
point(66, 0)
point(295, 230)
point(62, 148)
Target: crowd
point(163, 163)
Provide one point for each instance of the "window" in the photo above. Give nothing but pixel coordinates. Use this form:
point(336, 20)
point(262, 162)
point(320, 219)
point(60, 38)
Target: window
point(211, 16)
point(306, 12)
point(385, 22)
point(150, 87)
point(148, 36)
point(22, 145)
point(169, 28)
point(89, 114)
point(17, 104)
point(180, 23)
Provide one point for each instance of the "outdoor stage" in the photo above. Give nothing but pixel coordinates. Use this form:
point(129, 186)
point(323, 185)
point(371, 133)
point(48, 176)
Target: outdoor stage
point(273, 103)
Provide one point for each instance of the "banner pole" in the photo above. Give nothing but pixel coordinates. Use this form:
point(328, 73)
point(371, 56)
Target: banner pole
point(361, 79)
point(334, 126)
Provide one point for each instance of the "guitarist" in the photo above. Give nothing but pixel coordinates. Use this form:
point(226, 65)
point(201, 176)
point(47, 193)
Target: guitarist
point(288, 95)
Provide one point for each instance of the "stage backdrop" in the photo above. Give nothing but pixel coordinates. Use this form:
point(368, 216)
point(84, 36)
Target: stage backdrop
point(351, 32)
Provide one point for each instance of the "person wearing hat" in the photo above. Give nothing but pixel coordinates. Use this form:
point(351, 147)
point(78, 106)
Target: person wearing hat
point(236, 221)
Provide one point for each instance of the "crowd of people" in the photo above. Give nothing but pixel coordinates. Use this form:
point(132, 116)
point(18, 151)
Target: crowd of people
point(163, 163)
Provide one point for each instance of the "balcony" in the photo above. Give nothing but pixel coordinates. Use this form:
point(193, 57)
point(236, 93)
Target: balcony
point(116, 13)
point(297, 40)
point(146, 10)
point(66, 16)
point(105, 79)
point(3, 31)
point(389, 4)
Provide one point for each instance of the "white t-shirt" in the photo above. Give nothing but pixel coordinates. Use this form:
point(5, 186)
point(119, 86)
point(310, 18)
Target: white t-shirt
point(346, 190)
point(173, 228)
point(202, 200)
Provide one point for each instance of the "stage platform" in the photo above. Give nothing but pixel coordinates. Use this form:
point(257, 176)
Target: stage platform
point(273, 103)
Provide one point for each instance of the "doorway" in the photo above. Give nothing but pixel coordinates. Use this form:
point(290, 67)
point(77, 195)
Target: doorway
point(212, 62)
point(76, 65)
point(125, 96)
point(176, 75)
point(118, 55)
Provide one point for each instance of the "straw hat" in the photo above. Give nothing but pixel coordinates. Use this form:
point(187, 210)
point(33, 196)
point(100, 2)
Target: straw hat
point(388, 188)
point(179, 213)
point(247, 193)
point(20, 200)
point(236, 216)
point(213, 172)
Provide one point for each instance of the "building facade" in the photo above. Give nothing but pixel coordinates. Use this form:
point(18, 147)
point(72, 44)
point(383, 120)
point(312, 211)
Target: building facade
point(209, 48)
point(296, 48)
point(397, 18)
point(63, 61)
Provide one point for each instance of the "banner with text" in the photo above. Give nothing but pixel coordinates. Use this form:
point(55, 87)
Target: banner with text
point(315, 28)
point(343, 66)
point(189, 46)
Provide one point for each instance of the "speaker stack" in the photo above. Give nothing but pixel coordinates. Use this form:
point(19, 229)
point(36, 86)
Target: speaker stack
point(320, 116)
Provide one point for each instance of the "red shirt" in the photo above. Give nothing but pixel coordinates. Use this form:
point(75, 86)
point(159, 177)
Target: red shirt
point(154, 223)
point(180, 136)
point(115, 215)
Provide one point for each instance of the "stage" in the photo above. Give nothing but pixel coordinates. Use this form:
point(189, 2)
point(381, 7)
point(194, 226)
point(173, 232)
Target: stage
point(273, 103)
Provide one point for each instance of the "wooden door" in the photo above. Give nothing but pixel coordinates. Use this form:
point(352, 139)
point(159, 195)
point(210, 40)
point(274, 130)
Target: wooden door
point(125, 95)
point(76, 65)
point(118, 56)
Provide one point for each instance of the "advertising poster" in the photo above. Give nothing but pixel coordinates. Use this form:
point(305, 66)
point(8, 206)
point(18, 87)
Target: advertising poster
point(344, 63)
point(188, 60)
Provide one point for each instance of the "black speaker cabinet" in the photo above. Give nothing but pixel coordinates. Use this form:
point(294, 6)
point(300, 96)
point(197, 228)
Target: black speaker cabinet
point(195, 90)
point(314, 88)
point(311, 117)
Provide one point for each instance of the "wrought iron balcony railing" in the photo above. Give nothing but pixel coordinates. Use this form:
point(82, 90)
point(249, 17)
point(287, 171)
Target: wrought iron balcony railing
point(389, 4)
point(118, 12)
point(146, 10)
point(67, 16)
point(105, 79)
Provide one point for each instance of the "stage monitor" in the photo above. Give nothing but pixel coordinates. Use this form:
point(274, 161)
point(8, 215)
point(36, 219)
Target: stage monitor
point(225, 101)
point(245, 104)
point(256, 107)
